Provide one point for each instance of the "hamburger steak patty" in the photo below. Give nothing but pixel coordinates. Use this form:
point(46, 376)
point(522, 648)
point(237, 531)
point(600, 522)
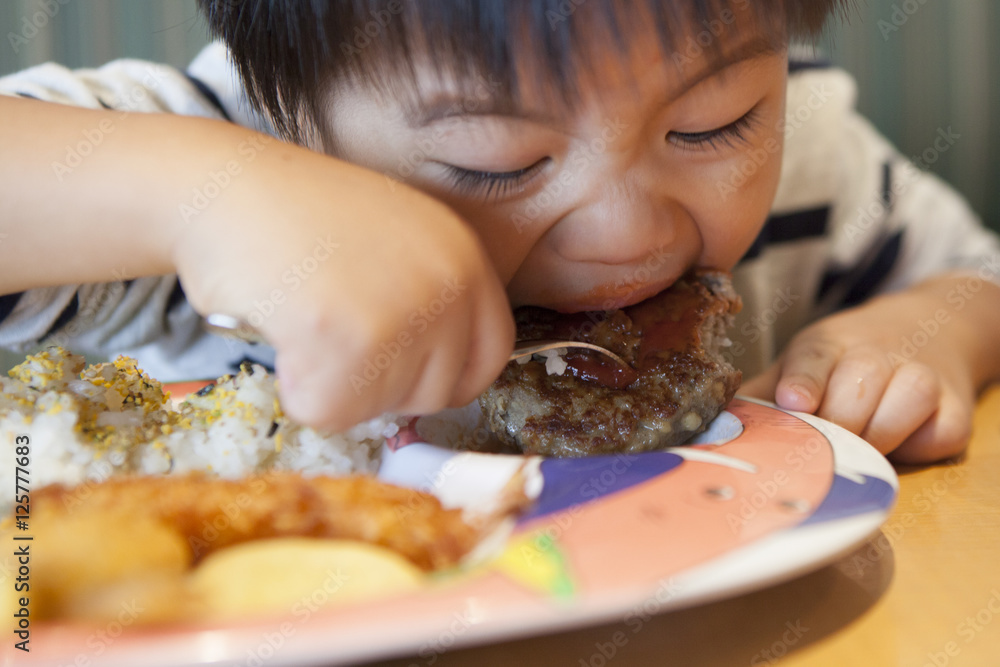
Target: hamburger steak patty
point(681, 380)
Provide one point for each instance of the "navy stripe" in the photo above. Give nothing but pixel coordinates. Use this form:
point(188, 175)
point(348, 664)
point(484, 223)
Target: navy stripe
point(801, 65)
point(826, 283)
point(7, 304)
point(104, 104)
point(209, 95)
point(887, 187)
point(68, 313)
point(176, 296)
point(26, 95)
point(869, 280)
point(867, 274)
point(787, 227)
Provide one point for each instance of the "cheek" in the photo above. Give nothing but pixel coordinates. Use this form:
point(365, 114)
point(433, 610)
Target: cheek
point(742, 192)
point(505, 233)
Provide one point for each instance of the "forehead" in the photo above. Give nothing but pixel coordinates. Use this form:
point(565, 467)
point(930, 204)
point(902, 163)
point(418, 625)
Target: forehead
point(589, 55)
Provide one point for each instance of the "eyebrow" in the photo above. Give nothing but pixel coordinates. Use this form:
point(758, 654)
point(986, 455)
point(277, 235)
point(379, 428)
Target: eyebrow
point(446, 105)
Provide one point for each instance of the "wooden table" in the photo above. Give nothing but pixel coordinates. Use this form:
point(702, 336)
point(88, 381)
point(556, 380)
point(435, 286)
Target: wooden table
point(925, 591)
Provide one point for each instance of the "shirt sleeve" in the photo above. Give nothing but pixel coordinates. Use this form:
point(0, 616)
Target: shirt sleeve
point(125, 313)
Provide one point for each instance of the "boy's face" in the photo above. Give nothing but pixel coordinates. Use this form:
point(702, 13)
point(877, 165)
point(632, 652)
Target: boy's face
point(668, 162)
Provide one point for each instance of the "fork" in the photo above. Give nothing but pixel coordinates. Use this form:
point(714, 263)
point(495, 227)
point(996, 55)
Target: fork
point(233, 327)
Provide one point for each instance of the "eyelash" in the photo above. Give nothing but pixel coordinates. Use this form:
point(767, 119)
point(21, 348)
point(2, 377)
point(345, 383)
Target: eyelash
point(728, 136)
point(493, 184)
point(497, 184)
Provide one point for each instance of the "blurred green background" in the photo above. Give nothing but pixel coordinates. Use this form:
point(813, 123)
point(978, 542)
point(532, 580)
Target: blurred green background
point(921, 65)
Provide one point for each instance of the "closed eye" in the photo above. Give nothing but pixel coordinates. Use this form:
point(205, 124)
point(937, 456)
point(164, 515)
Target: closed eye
point(728, 136)
point(492, 184)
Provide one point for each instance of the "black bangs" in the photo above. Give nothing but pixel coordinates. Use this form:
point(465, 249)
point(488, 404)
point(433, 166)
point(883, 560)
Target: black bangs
point(290, 52)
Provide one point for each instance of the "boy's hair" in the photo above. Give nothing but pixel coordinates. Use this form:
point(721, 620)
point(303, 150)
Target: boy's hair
point(289, 52)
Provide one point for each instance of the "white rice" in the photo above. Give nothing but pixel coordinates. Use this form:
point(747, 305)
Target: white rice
point(555, 364)
point(554, 361)
point(111, 419)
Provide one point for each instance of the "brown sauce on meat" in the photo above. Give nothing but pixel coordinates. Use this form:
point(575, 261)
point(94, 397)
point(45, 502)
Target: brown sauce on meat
point(668, 325)
point(592, 367)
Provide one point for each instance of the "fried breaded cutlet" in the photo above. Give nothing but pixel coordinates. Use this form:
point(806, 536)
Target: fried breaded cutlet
point(210, 514)
point(143, 540)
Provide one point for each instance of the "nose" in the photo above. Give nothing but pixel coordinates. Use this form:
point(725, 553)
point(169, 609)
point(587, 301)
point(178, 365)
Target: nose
point(623, 223)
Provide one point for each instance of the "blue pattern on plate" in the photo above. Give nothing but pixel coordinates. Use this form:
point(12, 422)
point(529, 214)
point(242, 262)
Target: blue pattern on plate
point(569, 482)
point(848, 498)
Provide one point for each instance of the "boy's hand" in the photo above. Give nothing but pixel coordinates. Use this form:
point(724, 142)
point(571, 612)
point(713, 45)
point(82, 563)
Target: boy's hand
point(376, 297)
point(907, 389)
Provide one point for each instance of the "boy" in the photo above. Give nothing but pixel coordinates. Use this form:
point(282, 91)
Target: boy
point(478, 156)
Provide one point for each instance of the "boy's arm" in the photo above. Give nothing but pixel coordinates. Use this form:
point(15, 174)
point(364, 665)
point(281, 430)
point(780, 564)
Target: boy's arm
point(233, 213)
point(52, 236)
point(902, 370)
point(122, 311)
point(917, 274)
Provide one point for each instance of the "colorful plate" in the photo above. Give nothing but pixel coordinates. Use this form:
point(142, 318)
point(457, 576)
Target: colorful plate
point(763, 496)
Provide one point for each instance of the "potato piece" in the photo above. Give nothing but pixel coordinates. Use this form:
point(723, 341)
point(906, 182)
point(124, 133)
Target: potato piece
point(280, 575)
point(75, 554)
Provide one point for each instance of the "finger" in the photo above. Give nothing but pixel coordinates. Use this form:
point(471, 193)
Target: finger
point(430, 376)
point(763, 385)
point(324, 393)
point(431, 382)
point(489, 349)
point(805, 372)
point(944, 435)
point(332, 379)
point(856, 387)
point(912, 397)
